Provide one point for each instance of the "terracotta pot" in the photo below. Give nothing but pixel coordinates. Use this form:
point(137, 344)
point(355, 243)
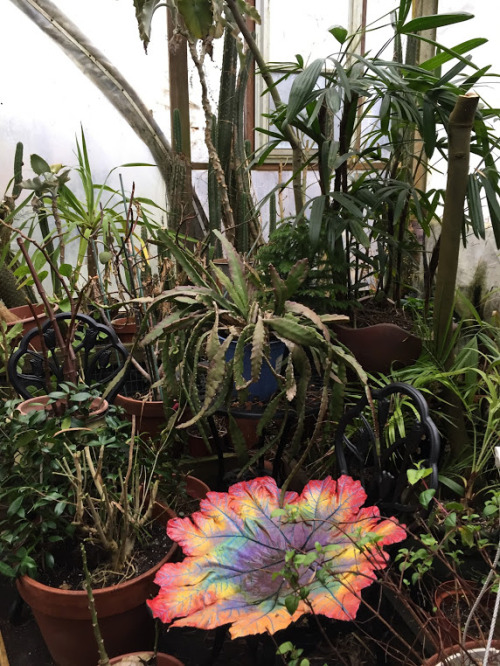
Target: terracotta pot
point(196, 488)
point(248, 428)
point(378, 347)
point(125, 328)
point(161, 659)
point(453, 603)
point(99, 406)
point(26, 318)
point(150, 416)
point(455, 656)
point(63, 616)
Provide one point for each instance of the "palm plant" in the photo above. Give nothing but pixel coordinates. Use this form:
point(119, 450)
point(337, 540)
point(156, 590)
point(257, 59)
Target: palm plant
point(373, 125)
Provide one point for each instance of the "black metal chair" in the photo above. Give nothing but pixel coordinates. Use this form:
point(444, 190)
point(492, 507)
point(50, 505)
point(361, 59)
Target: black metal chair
point(379, 443)
point(37, 364)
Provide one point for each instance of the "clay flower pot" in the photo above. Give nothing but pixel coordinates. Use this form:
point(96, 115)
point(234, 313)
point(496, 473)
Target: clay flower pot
point(149, 415)
point(63, 616)
point(125, 328)
point(99, 406)
point(453, 604)
point(24, 316)
point(378, 347)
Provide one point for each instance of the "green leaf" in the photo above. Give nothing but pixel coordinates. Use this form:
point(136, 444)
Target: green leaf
point(434, 21)
point(144, 10)
point(237, 286)
point(475, 206)
point(426, 496)
point(429, 127)
point(285, 647)
point(15, 506)
point(291, 330)
point(301, 89)
point(291, 603)
point(493, 207)
point(39, 165)
point(197, 15)
point(316, 220)
point(442, 58)
point(339, 33)
point(66, 270)
point(6, 570)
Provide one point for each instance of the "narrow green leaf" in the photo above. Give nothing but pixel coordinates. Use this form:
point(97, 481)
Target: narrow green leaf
point(316, 220)
point(493, 207)
point(237, 286)
point(258, 341)
point(429, 127)
point(441, 58)
point(434, 21)
point(475, 206)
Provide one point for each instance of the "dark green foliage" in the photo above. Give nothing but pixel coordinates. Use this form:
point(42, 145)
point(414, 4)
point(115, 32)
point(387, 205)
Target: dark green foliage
point(323, 289)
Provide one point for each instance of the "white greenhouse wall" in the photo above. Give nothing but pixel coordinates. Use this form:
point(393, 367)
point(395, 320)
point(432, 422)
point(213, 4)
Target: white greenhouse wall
point(44, 98)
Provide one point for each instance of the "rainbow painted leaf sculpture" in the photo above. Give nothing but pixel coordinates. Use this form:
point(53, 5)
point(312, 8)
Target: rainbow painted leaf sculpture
point(235, 549)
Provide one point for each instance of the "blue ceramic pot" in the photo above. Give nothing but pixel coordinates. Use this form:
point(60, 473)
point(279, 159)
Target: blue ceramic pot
point(267, 384)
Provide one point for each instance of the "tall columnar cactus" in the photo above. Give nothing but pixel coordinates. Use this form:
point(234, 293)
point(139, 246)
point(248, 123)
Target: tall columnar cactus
point(10, 293)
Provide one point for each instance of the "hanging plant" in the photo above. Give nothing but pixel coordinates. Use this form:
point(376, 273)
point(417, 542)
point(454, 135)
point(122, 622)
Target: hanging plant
point(240, 545)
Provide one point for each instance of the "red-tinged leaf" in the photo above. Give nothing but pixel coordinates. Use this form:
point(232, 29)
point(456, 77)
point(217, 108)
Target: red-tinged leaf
point(237, 540)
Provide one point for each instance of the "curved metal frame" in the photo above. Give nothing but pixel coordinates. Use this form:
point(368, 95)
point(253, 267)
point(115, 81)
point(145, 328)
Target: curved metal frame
point(384, 482)
point(44, 363)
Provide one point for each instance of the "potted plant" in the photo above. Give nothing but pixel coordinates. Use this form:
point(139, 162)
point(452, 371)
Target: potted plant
point(218, 337)
point(362, 116)
point(64, 483)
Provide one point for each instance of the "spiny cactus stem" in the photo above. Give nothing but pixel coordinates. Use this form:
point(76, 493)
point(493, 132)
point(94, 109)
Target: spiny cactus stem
point(212, 152)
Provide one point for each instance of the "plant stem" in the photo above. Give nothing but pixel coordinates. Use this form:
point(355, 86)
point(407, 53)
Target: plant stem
point(103, 657)
point(459, 132)
point(297, 155)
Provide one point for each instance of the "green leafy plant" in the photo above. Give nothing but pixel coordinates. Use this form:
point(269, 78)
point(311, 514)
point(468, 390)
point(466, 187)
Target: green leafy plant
point(210, 312)
point(79, 236)
point(68, 479)
point(360, 116)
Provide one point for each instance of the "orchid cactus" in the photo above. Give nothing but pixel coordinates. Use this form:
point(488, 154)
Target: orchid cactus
point(236, 548)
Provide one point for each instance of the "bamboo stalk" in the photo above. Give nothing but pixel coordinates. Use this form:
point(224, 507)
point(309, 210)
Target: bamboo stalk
point(459, 133)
